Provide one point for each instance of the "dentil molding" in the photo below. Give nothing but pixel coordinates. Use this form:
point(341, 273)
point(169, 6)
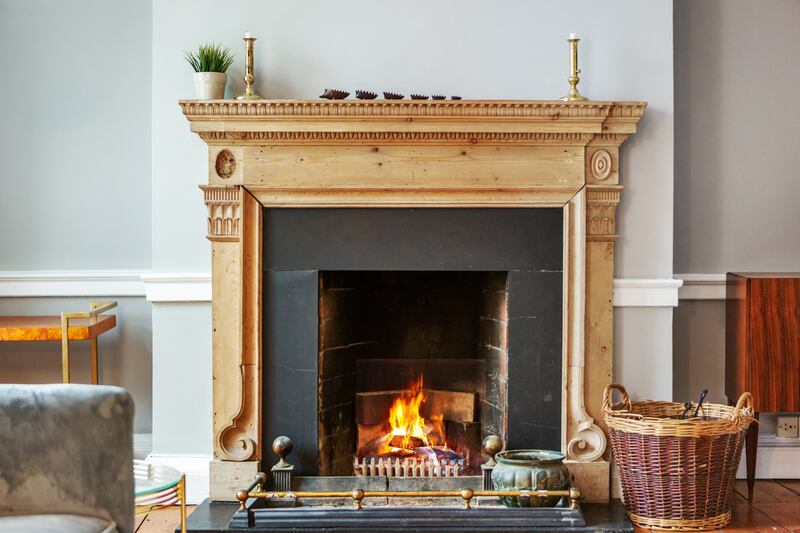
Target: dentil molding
point(546, 109)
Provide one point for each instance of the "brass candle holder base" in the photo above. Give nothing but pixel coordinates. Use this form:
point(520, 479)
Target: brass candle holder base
point(574, 78)
point(249, 77)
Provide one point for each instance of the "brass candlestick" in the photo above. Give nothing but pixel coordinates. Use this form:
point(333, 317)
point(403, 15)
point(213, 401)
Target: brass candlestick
point(574, 77)
point(249, 77)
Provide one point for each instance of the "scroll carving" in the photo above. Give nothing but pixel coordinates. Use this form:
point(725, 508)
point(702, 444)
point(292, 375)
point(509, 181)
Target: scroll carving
point(235, 442)
point(585, 440)
point(224, 212)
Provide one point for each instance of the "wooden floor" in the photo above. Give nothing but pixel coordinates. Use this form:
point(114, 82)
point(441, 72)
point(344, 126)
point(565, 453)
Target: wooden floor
point(775, 507)
point(162, 521)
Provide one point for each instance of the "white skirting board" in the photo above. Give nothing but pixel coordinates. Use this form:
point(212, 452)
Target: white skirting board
point(775, 460)
point(142, 445)
point(70, 283)
point(196, 286)
point(631, 292)
point(702, 286)
point(196, 469)
point(194, 466)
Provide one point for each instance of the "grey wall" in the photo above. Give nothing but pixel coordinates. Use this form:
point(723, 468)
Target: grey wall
point(75, 179)
point(736, 144)
point(736, 162)
point(75, 136)
point(182, 379)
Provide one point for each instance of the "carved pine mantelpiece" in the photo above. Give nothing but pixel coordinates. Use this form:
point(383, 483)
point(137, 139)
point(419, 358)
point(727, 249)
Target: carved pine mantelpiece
point(314, 153)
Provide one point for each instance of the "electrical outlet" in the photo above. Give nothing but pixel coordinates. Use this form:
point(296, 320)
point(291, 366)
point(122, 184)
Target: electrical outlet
point(787, 427)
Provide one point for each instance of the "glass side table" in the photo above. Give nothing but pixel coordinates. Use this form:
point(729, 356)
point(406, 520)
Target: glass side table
point(158, 487)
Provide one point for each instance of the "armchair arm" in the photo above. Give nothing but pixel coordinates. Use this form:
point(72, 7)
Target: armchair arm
point(67, 449)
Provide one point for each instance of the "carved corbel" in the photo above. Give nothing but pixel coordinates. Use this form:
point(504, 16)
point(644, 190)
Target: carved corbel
point(224, 212)
point(584, 441)
point(601, 212)
point(234, 229)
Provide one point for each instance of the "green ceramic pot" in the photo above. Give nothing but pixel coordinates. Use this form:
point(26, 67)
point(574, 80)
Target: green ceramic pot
point(530, 469)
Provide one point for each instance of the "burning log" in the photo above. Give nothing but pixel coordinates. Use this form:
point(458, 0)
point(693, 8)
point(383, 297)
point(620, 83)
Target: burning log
point(372, 407)
point(402, 433)
point(406, 442)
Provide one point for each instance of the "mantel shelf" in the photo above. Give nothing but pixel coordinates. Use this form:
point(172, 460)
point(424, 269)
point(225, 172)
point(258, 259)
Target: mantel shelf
point(531, 121)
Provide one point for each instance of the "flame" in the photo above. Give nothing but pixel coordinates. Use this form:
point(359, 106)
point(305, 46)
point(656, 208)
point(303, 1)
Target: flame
point(404, 417)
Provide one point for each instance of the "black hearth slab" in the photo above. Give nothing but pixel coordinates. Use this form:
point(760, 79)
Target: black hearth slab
point(392, 519)
point(210, 517)
point(214, 517)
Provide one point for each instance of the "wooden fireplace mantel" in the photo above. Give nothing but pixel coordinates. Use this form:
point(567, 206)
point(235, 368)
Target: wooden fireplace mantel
point(389, 153)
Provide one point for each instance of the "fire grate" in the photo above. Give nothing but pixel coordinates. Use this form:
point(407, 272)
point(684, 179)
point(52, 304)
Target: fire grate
point(415, 467)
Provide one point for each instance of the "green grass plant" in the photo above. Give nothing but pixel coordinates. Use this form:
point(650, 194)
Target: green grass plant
point(210, 58)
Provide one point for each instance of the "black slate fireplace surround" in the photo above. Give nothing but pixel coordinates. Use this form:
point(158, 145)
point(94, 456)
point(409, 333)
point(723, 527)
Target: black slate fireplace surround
point(440, 252)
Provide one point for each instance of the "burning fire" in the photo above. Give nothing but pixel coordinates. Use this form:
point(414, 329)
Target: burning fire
point(408, 436)
point(408, 426)
point(409, 430)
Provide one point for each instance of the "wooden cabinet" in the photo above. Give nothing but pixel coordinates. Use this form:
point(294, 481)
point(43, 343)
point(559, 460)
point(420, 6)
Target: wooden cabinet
point(762, 346)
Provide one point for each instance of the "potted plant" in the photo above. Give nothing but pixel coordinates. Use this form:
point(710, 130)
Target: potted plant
point(210, 64)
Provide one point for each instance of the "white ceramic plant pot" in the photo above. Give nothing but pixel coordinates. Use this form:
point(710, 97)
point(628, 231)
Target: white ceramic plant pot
point(210, 85)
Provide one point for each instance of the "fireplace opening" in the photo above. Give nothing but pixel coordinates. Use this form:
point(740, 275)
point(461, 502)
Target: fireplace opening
point(358, 304)
point(413, 371)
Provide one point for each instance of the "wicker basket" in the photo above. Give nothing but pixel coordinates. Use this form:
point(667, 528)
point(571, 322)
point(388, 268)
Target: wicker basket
point(676, 473)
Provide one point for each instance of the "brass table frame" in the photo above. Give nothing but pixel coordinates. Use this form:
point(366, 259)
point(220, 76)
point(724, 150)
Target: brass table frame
point(163, 497)
point(95, 309)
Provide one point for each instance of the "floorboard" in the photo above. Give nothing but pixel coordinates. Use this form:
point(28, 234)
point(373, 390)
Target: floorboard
point(162, 521)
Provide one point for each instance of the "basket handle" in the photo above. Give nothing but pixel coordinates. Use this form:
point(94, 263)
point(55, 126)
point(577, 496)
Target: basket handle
point(609, 391)
point(745, 401)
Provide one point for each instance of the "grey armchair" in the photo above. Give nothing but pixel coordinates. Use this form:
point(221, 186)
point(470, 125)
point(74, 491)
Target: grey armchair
point(66, 459)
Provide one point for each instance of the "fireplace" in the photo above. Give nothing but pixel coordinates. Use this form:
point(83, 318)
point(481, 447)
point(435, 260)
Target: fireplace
point(416, 366)
point(451, 171)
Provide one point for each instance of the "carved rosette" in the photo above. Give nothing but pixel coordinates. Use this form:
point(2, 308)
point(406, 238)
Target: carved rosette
point(601, 165)
point(224, 212)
